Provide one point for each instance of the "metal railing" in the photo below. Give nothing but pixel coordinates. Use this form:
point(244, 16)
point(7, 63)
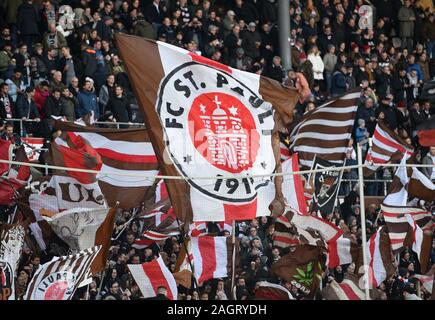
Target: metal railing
point(106, 123)
point(352, 182)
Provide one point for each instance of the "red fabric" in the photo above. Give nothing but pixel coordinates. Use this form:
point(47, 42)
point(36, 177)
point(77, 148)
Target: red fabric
point(207, 248)
point(7, 190)
point(4, 155)
point(209, 62)
point(241, 212)
point(80, 155)
point(39, 99)
point(426, 137)
point(157, 278)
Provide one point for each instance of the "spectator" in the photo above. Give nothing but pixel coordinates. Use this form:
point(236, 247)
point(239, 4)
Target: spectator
point(16, 84)
point(429, 159)
point(10, 135)
point(27, 22)
point(53, 38)
point(339, 85)
point(27, 109)
point(69, 66)
point(251, 41)
point(87, 100)
point(68, 104)
point(406, 17)
point(119, 106)
point(329, 61)
point(316, 60)
point(6, 102)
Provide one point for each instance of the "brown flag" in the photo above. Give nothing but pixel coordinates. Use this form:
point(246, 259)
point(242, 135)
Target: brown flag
point(302, 268)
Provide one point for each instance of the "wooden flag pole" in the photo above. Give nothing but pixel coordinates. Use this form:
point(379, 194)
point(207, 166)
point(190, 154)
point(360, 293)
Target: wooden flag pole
point(233, 265)
point(363, 222)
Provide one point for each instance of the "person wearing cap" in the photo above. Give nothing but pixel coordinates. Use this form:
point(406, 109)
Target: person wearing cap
point(233, 41)
point(251, 41)
point(241, 61)
point(87, 100)
point(103, 28)
point(387, 107)
point(229, 22)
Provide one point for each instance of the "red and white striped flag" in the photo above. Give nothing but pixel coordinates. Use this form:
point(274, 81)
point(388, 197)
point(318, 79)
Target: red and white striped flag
point(348, 289)
point(149, 276)
point(128, 152)
point(379, 257)
point(60, 278)
point(387, 146)
point(341, 251)
point(272, 291)
point(211, 257)
point(327, 230)
point(208, 120)
point(157, 226)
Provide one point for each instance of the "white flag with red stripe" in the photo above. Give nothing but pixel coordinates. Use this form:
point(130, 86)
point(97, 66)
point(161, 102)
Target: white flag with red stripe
point(149, 276)
point(211, 257)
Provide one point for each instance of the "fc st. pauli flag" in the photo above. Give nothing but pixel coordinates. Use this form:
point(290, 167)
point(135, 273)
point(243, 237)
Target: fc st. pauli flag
point(208, 120)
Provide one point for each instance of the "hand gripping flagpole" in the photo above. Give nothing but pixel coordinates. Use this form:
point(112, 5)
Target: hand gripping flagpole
point(363, 222)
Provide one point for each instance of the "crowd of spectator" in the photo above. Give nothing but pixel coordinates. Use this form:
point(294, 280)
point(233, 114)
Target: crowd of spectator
point(58, 60)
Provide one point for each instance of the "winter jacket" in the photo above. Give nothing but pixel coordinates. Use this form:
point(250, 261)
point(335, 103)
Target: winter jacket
point(68, 106)
point(52, 107)
point(13, 88)
point(330, 60)
point(27, 19)
point(144, 29)
point(87, 103)
point(26, 108)
point(406, 25)
point(318, 65)
point(417, 68)
point(248, 44)
point(338, 83)
point(120, 108)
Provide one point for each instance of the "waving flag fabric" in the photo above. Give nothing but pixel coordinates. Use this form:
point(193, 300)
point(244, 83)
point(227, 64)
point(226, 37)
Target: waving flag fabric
point(208, 119)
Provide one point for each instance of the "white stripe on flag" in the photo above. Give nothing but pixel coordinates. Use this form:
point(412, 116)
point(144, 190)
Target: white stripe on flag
point(169, 278)
point(142, 280)
point(126, 147)
point(221, 257)
point(135, 178)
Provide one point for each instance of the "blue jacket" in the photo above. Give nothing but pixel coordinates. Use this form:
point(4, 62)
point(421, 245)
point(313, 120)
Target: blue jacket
point(360, 134)
point(417, 68)
point(338, 83)
point(87, 103)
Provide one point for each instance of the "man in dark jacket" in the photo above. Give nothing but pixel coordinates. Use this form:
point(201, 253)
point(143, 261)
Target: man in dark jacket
point(27, 109)
point(387, 107)
point(68, 104)
point(251, 41)
point(52, 107)
point(400, 84)
point(339, 81)
point(119, 106)
point(103, 28)
point(90, 62)
point(6, 102)
point(27, 23)
point(383, 82)
point(275, 71)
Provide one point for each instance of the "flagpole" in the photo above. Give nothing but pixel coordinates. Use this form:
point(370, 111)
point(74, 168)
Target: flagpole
point(183, 238)
point(363, 221)
point(233, 264)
